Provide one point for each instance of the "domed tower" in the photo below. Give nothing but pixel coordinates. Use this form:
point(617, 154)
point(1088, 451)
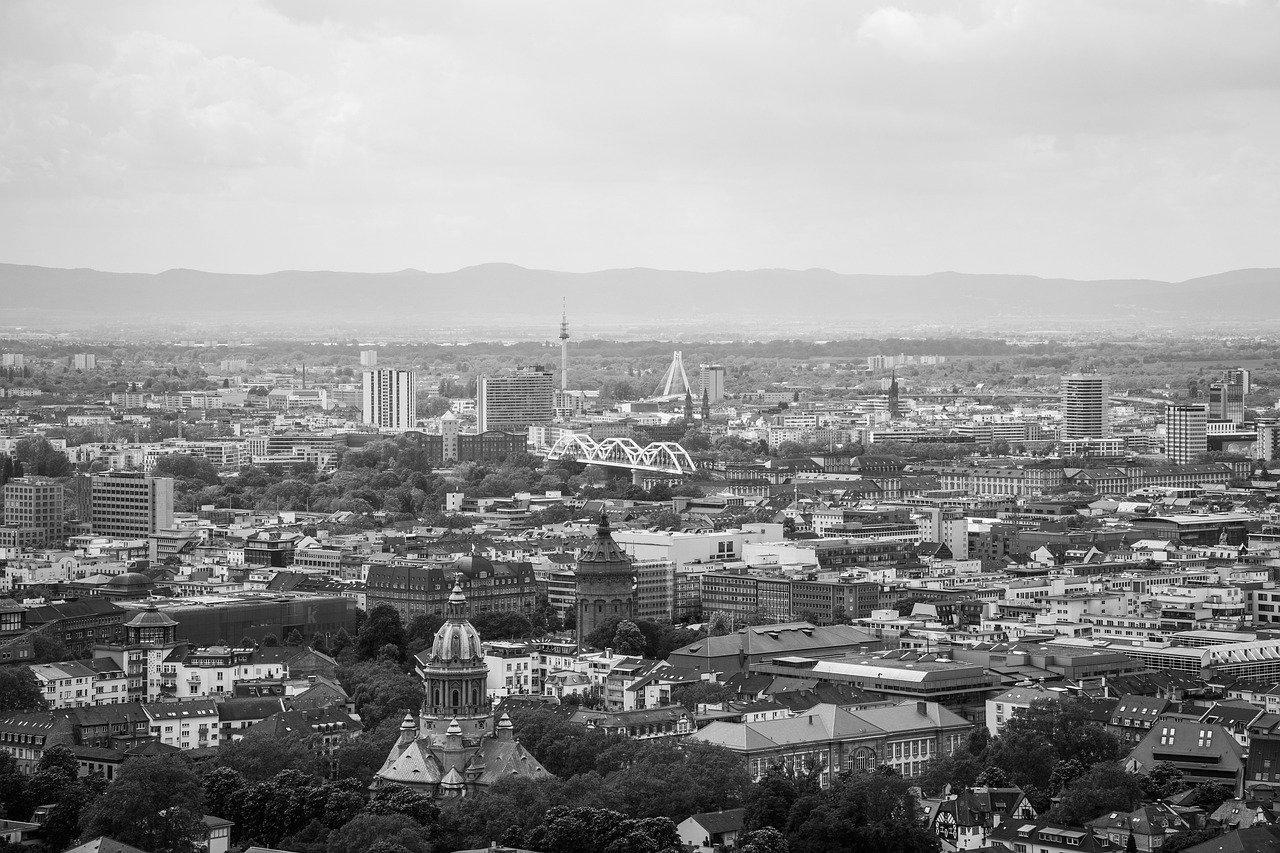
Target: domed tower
point(151, 627)
point(454, 676)
point(606, 582)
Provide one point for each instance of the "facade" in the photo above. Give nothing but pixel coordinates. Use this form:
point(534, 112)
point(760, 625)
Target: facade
point(513, 401)
point(415, 588)
point(1226, 400)
point(389, 398)
point(830, 739)
point(606, 583)
point(130, 505)
point(1186, 433)
point(35, 502)
point(711, 382)
point(1085, 406)
point(455, 747)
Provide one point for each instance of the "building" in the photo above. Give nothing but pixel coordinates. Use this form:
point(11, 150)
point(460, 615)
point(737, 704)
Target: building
point(129, 505)
point(1085, 406)
point(84, 361)
point(1204, 752)
point(36, 502)
point(455, 747)
point(711, 382)
point(829, 739)
point(389, 399)
point(1185, 433)
point(1226, 400)
point(749, 647)
point(368, 358)
point(513, 401)
point(414, 588)
point(711, 831)
point(606, 583)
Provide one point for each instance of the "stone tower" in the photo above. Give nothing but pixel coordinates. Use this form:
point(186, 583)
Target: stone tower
point(893, 395)
point(606, 582)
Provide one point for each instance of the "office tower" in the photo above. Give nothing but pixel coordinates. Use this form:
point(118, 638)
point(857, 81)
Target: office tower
point(129, 505)
point(512, 401)
point(389, 399)
point(1185, 433)
point(1226, 401)
point(606, 582)
point(84, 361)
point(1085, 405)
point(1239, 375)
point(15, 360)
point(35, 502)
point(712, 378)
point(368, 358)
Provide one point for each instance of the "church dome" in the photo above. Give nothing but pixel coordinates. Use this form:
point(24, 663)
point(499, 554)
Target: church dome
point(457, 641)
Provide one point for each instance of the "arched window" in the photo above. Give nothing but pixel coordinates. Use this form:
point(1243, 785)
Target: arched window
point(862, 759)
point(455, 697)
point(435, 695)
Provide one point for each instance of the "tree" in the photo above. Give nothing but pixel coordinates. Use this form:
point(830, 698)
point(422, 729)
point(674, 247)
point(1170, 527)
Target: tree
point(182, 466)
point(588, 830)
point(154, 803)
point(627, 639)
point(766, 840)
point(20, 691)
point(36, 455)
point(259, 756)
point(1106, 787)
point(1164, 780)
point(768, 803)
point(859, 812)
point(381, 626)
point(295, 638)
point(381, 690)
point(363, 831)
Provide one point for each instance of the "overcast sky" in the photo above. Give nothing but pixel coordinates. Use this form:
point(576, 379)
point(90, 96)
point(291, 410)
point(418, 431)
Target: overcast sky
point(1084, 139)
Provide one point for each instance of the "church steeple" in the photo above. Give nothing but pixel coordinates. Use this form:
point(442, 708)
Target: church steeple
point(706, 407)
point(893, 394)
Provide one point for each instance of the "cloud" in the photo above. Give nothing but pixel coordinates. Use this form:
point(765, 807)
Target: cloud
point(1113, 137)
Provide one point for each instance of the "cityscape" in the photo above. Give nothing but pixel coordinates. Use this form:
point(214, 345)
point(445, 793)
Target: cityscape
point(664, 428)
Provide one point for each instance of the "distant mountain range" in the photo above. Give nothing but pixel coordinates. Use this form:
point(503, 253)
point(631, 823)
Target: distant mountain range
point(76, 297)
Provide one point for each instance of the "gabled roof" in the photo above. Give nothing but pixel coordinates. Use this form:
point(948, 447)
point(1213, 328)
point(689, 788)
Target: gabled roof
point(715, 823)
point(103, 844)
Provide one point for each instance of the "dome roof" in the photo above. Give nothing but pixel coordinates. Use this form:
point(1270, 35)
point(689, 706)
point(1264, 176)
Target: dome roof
point(150, 617)
point(457, 641)
point(131, 580)
point(471, 565)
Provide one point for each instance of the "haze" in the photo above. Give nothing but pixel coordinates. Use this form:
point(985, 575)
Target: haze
point(1085, 140)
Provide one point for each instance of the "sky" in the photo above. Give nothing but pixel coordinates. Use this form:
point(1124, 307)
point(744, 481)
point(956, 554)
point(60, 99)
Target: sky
point(1073, 138)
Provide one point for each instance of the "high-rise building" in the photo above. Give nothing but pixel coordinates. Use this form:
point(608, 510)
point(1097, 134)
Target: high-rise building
point(712, 380)
point(15, 360)
point(1185, 433)
point(1226, 400)
point(606, 582)
point(130, 505)
point(1085, 406)
point(1268, 443)
point(84, 361)
point(35, 502)
point(368, 358)
point(512, 401)
point(1239, 375)
point(390, 401)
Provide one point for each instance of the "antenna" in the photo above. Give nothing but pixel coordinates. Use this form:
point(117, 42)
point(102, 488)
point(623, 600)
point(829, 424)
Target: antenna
point(564, 346)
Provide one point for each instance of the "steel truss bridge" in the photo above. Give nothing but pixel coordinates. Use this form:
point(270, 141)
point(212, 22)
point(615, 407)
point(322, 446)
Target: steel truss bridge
point(660, 457)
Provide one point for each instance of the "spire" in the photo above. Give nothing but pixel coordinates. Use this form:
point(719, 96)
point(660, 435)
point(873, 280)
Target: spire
point(457, 601)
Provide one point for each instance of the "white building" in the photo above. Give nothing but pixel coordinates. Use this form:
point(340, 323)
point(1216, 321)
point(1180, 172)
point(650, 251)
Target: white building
point(389, 399)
